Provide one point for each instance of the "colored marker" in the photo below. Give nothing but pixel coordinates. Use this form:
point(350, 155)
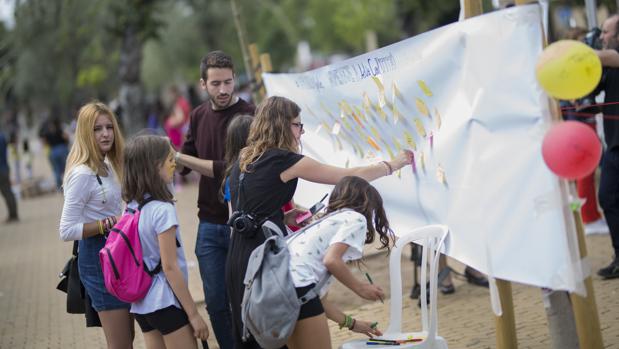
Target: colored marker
point(372, 283)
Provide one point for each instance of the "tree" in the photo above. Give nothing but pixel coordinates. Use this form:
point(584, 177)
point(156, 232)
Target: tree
point(59, 55)
point(134, 22)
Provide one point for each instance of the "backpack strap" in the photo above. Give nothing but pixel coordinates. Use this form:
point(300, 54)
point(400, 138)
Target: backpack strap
point(313, 293)
point(268, 227)
point(146, 201)
point(157, 269)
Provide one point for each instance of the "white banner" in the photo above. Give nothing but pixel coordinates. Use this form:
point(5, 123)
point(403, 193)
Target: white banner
point(465, 99)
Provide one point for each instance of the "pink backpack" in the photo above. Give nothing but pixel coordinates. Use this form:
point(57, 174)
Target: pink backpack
point(125, 274)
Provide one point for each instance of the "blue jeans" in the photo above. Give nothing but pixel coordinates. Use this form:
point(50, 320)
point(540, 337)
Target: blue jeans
point(58, 158)
point(92, 275)
point(211, 249)
point(609, 194)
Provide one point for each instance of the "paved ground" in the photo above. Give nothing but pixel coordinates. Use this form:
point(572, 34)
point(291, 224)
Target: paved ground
point(32, 311)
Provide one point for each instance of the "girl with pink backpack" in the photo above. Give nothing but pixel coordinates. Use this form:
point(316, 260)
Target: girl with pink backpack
point(167, 314)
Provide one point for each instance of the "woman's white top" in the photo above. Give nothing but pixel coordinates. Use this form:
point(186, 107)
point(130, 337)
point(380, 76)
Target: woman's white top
point(308, 250)
point(157, 217)
point(85, 200)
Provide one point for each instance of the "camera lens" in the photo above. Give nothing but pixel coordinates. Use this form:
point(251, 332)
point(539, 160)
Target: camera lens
point(239, 225)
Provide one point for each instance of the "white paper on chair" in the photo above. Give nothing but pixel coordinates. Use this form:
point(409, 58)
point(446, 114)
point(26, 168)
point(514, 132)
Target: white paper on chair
point(464, 97)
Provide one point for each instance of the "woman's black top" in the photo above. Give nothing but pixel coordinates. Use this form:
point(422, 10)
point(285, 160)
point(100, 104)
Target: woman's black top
point(262, 194)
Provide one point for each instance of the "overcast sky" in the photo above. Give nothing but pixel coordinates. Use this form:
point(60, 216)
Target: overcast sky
point(6, 12)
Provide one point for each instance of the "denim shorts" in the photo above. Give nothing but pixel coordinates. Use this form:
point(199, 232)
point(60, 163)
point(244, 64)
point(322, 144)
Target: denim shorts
point(92, 276)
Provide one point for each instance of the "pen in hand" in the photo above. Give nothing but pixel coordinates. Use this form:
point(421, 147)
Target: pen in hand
point(372, 283)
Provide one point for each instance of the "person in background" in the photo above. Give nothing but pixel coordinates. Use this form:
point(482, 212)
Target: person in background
point(206, 141)
point(177, 122)
point(5, 182)
point(54, 137)
point(609, 185)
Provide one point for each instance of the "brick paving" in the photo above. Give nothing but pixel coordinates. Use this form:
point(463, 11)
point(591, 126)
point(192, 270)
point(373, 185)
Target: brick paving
point(32, 311)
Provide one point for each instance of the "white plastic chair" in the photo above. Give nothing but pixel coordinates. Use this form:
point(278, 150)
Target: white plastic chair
point(431, 238)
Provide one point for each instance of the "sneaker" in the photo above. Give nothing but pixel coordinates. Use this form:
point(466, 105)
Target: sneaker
point(477, 280)
point(596, 227)
point(611, 271)
point(11, 220)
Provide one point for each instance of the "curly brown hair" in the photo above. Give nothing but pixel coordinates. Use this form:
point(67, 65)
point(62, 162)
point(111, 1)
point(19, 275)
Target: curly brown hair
point(357, 194)
point(270, 129)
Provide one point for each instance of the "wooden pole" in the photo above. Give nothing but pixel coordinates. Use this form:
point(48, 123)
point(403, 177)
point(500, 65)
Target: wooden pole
point(506, 323)
point(257, 71)
point(585, 308)
point(265, 64)
point(240, 31)
point(472, 8)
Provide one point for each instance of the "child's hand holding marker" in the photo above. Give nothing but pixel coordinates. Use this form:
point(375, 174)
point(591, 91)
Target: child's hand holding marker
point(368, 329)
point(379, 293)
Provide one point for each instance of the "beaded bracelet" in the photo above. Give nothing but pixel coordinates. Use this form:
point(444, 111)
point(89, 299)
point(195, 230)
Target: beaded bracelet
point(389, 168)
point(353, 324)
point(348, 321)
point(100, 227)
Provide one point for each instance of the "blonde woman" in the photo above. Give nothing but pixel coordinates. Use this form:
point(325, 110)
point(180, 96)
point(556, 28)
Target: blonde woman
point(271, 165)
point(92, 204)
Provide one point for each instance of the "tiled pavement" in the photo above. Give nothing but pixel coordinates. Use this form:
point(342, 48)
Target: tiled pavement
point(32, 312)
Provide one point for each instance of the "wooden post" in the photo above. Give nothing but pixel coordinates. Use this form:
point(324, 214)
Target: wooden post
point(472, 8)
point(585, 308)
point(506, 323)
point(265, 64)
point(240, 31)
point(258, 92)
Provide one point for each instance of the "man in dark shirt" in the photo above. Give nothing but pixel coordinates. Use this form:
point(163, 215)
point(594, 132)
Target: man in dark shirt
point(5, 182)
point(609, 179)
point(203, 151)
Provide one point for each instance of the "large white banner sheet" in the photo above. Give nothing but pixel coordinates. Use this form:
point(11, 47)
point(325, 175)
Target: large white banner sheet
point(464, 98)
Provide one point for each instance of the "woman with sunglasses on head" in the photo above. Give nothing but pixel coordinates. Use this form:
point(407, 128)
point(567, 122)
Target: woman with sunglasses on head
point(92, 205)
point(265, 177)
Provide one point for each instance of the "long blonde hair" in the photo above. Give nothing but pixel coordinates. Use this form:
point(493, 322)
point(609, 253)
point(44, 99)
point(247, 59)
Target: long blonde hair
point(270, 129)
point(85, 149)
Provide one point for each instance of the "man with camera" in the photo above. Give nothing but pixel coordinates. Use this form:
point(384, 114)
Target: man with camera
point(609, 180)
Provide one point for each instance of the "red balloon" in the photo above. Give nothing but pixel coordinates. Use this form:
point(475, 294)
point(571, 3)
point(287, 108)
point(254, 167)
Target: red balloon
point(571, 150)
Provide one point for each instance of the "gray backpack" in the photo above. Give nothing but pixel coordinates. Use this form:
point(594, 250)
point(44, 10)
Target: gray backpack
point(270, 306)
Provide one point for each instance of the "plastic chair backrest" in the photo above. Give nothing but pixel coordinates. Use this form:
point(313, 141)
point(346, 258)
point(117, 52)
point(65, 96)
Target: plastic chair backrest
point(431, 238)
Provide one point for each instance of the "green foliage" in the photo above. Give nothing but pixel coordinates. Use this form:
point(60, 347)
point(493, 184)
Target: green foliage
point(175, 55)
point(92, 76)
point(144, 16)
point(52, 41)
point(341, 26)
point(63, 52)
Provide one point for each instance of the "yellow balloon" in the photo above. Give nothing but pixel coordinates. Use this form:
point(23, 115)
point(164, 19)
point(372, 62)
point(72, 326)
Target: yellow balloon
point(568, 69)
